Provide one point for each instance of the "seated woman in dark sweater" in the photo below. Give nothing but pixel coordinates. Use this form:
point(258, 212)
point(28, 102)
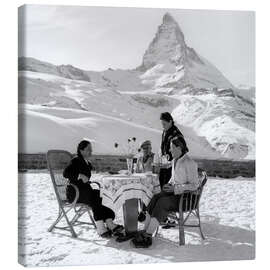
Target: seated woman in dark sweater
point(79, 173)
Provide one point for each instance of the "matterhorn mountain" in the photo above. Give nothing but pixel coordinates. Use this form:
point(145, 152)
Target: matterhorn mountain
point(217, 118)
point(173, 64)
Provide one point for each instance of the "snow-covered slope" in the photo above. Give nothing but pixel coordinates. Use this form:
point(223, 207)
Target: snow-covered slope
point(50, 90)
point(44, 128)
point(215, 116)
point(227, 122)
point(66, 71)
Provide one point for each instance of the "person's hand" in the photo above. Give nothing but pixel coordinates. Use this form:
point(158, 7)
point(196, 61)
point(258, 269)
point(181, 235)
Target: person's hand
point(83, 177)
point(168, 188)
point(156, 168)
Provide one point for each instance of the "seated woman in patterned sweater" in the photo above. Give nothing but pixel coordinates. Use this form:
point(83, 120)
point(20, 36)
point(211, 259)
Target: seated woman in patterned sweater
point(145, 162)
point(184, 172)
point(79, 173)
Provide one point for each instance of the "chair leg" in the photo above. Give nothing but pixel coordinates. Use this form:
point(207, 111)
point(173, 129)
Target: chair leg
point(92, 219)
point(78, 214)
point(74, 235)
point(74, 219)
point(181, 229)
point(198, 215)
point(156, 232)
point(60, 215)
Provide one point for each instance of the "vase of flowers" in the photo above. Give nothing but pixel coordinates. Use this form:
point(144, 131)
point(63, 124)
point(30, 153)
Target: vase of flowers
point(130, 150)
point(130, 164)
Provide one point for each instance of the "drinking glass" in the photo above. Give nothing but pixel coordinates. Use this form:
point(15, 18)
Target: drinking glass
point(129, 164)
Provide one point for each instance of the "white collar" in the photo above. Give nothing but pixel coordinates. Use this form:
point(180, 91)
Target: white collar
point(175, 161)
point(181, 158)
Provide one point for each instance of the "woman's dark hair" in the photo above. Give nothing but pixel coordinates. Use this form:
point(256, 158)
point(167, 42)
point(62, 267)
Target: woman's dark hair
point(81, 146)
point(180, 142)
point(166, 116)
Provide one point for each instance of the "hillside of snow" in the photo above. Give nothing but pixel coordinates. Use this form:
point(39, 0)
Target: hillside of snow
point(227, 123)
point(73, 99)
point(43, 128)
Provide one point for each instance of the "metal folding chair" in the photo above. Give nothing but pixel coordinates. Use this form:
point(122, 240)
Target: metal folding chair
point(57, 160)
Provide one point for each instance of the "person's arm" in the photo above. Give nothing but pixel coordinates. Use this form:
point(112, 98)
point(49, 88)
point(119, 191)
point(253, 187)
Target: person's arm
point(179, 178)
point(71, 171)
point(170, 181)
point(148, 163)
point(187, 177)
point(177, 132)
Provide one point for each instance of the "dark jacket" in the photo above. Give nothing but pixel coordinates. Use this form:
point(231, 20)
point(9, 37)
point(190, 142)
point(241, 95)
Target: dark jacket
point(77, 166)
point(167, 136)
point(86, 194)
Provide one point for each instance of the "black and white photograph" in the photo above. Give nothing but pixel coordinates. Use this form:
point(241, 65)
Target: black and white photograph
point(136, 135)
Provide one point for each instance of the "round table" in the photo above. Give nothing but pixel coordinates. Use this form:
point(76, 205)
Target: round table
point(126, 190)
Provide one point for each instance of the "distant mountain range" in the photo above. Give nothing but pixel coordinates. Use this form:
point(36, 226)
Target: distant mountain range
point(172, 77)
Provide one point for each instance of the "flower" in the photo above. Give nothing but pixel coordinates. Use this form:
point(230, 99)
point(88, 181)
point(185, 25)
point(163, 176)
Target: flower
point(131, 149)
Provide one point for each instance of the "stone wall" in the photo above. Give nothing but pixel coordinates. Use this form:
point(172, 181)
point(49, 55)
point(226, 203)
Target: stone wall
point(101, 163)
point(110, 163)
point(228, 168)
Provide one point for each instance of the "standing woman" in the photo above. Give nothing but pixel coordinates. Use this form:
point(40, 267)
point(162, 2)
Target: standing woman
point(79, 173)
point(169, 132)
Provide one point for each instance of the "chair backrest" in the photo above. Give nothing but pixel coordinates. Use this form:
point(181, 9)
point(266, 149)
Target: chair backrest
point(57, 160)
point(192, 198)
point(203, 180)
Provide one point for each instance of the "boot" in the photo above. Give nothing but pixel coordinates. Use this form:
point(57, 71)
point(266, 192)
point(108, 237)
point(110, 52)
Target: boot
point(102, 230)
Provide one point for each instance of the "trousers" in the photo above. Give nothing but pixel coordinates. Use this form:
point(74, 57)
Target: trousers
point(91, 197)
point(163, 203)
point(164, 176)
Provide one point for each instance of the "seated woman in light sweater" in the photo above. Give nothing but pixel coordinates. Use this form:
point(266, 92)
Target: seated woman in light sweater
point(184, 177)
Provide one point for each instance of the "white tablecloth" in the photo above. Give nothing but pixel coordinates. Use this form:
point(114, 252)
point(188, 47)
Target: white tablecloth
point(116, 189)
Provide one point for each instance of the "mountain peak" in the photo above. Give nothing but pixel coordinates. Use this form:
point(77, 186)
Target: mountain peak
point(168, 18)
point(168, 44)
point(169, 54)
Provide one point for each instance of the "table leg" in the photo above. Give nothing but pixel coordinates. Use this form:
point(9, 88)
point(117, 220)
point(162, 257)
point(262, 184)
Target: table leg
point(130, 212)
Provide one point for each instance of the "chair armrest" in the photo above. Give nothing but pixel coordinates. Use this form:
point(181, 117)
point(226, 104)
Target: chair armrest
point(185, 188)
point(76, 195)
point(97, 183)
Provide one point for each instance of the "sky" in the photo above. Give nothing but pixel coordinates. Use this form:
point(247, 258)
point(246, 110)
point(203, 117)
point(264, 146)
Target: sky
point(98, 38)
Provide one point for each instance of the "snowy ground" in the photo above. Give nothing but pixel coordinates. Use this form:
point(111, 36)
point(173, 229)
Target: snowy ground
point(227, 211)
